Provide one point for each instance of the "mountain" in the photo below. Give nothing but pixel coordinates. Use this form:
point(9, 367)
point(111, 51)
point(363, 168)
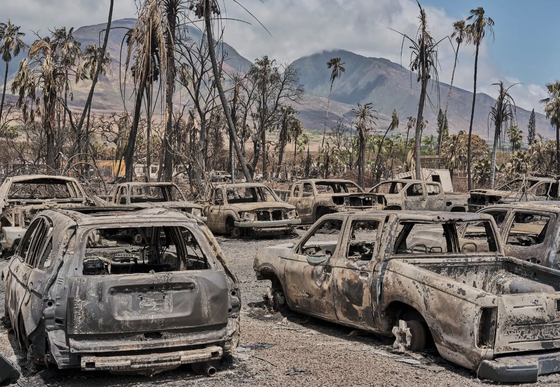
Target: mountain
point(385, 84)
point(389, 86)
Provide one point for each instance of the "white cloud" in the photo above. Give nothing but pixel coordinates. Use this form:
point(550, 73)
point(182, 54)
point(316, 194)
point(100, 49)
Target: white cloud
point(302, 27)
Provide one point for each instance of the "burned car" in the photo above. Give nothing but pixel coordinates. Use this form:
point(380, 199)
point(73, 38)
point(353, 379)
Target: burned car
point(237, 209)
point(154, 194)
point(519, 190)
point(314, 198)
point(122, 291)
point(407, 194)
point(21, 197)
point(529, 230)
point(410, 275)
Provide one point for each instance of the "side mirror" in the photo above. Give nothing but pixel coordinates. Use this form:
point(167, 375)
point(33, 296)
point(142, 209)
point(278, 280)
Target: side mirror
point(316, 260)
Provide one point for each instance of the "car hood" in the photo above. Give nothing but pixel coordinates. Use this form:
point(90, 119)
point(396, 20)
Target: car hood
point(170, 205)
point(490, 192)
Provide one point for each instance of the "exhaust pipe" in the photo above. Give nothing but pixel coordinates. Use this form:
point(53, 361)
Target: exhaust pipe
point(206, 368)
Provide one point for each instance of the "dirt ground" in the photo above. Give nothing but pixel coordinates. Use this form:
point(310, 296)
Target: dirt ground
point(276, 350)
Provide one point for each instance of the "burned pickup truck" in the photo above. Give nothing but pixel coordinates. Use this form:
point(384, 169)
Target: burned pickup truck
point(21, 197)
point(410, 275)
point(154, 194)
point(518, 190)
point(406, 194)
point(314, 198)
point(240, 208)
point(122, 291)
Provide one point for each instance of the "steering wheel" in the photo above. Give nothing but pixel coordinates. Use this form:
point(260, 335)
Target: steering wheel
point(418, 245)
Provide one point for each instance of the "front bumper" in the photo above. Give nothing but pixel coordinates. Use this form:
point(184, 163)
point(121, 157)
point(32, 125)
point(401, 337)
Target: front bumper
point(521, 368)
point(271, 224)
point(152, 362)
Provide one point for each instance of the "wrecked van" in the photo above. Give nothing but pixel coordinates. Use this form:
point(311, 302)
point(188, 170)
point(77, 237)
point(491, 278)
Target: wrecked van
point(410, 275)
point(122, 291)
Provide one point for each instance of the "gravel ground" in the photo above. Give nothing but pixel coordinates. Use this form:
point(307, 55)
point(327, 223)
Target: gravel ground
point(276, 350)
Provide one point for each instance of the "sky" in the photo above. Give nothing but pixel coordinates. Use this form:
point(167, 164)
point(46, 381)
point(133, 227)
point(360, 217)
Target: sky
point(526, 48)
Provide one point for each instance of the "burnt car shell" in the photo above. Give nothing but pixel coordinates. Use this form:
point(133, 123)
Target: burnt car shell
point(144, 322)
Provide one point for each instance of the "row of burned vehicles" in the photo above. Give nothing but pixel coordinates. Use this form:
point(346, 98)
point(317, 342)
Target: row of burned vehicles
point(141, 288)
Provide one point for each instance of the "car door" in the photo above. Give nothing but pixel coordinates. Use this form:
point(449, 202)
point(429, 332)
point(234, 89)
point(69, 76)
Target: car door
point(38, 258)
point(308, 270)
point(304, 201)
point(529, 235)
point(415, 197)
point(353, 271)
point(214, 209)
point(20, 271)
point(435, 198)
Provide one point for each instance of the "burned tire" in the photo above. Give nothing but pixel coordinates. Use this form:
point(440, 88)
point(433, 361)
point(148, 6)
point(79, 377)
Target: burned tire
point(231, 230)
point(276, 299)
point(419, 332)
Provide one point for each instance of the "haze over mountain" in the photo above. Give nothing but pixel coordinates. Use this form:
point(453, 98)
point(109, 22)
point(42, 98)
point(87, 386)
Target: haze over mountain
point(389, 86)
point(386, 84)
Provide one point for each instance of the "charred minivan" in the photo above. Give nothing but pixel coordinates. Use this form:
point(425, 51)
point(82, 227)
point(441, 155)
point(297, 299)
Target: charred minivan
point(122, 290)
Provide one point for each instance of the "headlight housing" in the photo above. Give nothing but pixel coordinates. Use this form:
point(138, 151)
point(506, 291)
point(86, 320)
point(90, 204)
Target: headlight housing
point(292, 214)
point(248, 216)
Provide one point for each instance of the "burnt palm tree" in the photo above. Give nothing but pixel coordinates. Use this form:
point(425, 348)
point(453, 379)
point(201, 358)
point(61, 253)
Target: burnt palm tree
point(337, 67)
point(552, 110)
point(475, 33)
point(459, 34)
point(10, 46)
point(205, 9)
point(366, 118)
point(504, 110)
point(147, 60)
point(515, 137)
point(424, 61)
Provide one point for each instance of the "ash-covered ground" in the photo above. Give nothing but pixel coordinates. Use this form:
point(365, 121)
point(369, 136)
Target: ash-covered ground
point(275, 349)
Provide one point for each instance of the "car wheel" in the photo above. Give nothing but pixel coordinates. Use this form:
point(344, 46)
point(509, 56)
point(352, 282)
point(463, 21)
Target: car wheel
point(276, 299)
point(410, 335)
point(231, 230)
point(419, 335)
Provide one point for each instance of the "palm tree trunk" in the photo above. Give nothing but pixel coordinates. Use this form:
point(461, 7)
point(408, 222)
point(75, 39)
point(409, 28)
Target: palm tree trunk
point(169, 90)
point(494, 151)
point(231, 125)
point(379, 154)
point(129, 154)
point(469, 151)
point(327, 116)
point(440, 139)
point(558, 149)
point(419, 120)
point(3, 93)
point(99, 65)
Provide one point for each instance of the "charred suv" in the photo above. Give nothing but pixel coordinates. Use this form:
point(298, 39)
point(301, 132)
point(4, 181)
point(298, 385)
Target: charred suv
point(407, 194)
point(412, 276)
point(21, 197)
point(314, 198)
point(240, 208)
point(123, 291)
point(518, 190)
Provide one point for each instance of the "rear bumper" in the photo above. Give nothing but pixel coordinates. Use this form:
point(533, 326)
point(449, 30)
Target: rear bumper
point(152, 362)
point(272, 224)
point(520, 369)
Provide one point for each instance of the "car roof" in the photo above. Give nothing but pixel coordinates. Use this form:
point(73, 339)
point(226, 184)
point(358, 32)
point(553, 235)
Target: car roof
point(406, 181)
point(31, 178)
point(549, 206)
point(144, 184)
point(431, 216)
point(117, 215)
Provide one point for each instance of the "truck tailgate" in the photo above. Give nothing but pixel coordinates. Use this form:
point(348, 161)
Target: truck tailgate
point(528, 322)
